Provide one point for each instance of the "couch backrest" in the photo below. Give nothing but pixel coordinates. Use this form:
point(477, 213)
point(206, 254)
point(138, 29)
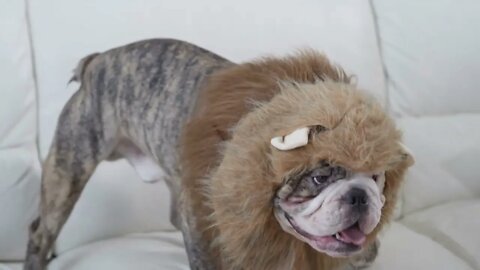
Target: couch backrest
point(431, 52)
point(19, 166)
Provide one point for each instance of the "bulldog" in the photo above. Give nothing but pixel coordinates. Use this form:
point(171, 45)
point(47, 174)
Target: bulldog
point(278, 163)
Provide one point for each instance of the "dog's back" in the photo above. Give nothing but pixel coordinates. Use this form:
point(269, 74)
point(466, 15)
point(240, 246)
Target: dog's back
point(148, 89)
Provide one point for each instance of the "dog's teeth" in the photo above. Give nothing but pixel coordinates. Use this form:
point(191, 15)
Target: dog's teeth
point(337, 235)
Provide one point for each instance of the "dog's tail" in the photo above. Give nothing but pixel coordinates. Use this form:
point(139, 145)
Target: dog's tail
point(81, 66)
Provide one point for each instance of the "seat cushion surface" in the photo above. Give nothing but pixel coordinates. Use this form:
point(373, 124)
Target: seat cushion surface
point(454, 225)
point(149, 251)
point(402, 248)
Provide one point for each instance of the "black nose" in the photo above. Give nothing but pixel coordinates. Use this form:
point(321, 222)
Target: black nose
point(357, 197)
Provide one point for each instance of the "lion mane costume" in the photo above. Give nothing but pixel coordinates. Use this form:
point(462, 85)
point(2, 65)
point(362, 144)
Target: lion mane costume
point(232, 172)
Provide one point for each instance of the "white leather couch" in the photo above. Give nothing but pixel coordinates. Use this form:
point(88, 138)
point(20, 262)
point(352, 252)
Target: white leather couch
point(421, 58)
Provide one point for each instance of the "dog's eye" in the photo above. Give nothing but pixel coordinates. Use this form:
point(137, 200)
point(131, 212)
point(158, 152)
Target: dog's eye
point(375, 177)
point(320, 179)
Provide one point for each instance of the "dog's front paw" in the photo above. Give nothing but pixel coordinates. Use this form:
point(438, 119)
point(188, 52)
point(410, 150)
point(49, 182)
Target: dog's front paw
point(366, 258)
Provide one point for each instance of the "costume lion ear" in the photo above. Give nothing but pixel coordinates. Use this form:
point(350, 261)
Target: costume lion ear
point(296, 139)
point(406, 155)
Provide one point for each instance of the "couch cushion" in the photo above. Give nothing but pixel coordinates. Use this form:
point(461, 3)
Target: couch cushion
point(19, 166)
point(454, 225)
point(402, 248)
point(429, 184)
point(151, 251)
point(430, 49)
point(11, 266)
point(446, 149)
point(64, 32)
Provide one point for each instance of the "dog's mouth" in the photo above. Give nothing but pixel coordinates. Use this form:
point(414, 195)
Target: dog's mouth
point(343, 243)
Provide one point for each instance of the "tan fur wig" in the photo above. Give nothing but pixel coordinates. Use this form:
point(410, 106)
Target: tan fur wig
point(231, 172)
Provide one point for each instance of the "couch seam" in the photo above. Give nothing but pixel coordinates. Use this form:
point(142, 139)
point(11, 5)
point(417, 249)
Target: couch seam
point(386, 84)
point(35, 79)
point(380, 52)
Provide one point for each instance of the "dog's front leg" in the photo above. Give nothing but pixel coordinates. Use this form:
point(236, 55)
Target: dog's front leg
point(366, 258)
point(195, 251)
point(199, 249)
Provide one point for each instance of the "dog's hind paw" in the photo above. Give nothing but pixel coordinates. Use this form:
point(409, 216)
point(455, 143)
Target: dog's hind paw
point(34, 262)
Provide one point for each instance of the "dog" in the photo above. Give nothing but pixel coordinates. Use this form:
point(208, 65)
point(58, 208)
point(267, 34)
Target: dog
point(279, 163)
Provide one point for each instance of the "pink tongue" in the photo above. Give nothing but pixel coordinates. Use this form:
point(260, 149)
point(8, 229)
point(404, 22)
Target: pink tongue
point(353, 235)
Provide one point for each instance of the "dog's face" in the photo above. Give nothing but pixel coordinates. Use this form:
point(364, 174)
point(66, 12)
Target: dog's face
point(330, 207)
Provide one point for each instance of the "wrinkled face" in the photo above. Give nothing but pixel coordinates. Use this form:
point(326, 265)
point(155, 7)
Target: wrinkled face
point(331, 208)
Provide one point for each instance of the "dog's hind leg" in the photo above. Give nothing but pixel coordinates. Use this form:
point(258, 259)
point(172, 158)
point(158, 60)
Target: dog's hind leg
point(83, 139)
